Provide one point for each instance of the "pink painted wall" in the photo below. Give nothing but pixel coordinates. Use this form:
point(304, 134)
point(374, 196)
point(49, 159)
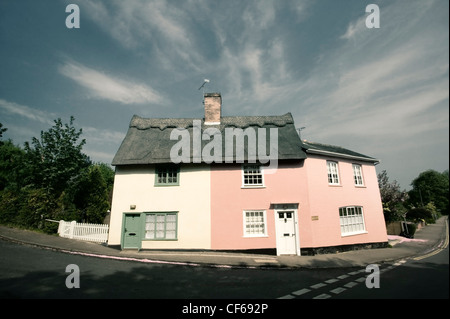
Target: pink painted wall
point(325, 201)
point(305, 183)
point(229, 200)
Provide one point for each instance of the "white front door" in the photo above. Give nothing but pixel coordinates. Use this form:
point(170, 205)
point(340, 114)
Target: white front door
point(286, 232)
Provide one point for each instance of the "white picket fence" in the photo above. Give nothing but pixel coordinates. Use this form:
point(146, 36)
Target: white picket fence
point(82, 231)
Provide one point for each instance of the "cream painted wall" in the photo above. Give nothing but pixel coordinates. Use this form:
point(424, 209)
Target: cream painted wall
point(191, 199)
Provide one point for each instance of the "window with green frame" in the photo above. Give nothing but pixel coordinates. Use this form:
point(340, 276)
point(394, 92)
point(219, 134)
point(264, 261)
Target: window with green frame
point(161, 226)
point(167, 176)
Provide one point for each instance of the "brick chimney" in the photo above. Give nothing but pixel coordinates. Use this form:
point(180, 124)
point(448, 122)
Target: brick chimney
point(213, 104)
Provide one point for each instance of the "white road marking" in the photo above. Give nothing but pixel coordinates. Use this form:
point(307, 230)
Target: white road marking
point(330, 281)
point(322, 296)
point(351, 284)
point(361, 279)
point(301, 291)
point(319, 285)
point(338, 290)
point(287, 297)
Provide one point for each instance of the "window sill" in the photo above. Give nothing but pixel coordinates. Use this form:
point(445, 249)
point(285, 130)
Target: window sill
point(255, 186)
point(256, 236)
point(355, 233)
point(335, 185)
point(159, 239)
point(166, 185)
point(360, 186)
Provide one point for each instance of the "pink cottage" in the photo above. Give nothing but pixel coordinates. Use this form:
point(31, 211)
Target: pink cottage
point(241, 183)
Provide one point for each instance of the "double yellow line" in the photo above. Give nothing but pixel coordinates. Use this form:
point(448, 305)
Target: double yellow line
point(437, 251)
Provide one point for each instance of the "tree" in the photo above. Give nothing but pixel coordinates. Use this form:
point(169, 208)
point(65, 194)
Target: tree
point(56, 157)
point(431, 187)
point(392, 197)
point(108, 176)
point(90, 195)
point(12, 166)
point(52, 179)
point(2, 130)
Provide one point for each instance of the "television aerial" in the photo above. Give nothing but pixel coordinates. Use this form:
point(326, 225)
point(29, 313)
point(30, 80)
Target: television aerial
point(203, 85)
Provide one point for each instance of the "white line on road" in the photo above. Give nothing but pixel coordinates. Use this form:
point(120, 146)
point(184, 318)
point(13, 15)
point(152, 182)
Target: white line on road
point(361, 279)
point(338, 290)
point(319, 285)
point(351, 284)
point(287, 297)
point(331, 281)
point(322, 296)
point(301, 291)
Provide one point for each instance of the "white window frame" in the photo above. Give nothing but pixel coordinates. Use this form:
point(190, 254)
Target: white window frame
point(358, 175)
point(245, 222)
point(333, 171)
point(351, 219)
point(261, 169)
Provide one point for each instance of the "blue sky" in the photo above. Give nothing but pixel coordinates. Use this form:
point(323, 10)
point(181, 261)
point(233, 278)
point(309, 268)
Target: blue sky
point(381, 92)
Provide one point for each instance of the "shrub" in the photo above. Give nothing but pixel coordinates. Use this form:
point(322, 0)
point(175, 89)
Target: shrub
point(411, 231)
point(417, 214)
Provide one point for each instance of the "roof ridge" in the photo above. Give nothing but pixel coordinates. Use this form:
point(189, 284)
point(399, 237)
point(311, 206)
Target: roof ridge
point(142, 123)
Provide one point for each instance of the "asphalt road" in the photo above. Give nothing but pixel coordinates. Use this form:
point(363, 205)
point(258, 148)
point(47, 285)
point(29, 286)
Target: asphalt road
point(30, 272)
point(425, 277)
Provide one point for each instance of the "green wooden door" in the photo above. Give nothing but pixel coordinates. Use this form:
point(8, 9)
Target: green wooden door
point(131, 231)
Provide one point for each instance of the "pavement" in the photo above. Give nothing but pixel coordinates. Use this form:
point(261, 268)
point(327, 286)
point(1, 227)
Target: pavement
point(427, 240)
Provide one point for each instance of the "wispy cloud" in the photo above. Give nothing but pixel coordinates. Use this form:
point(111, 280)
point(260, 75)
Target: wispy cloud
point(26, 111)
point(382, 88)
point(98, 140)
point(354, 28)
point(141, 23)
point(180, 37)
point(103, 86)
point(253, 60)
point(378, 91)
point(104, 136)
